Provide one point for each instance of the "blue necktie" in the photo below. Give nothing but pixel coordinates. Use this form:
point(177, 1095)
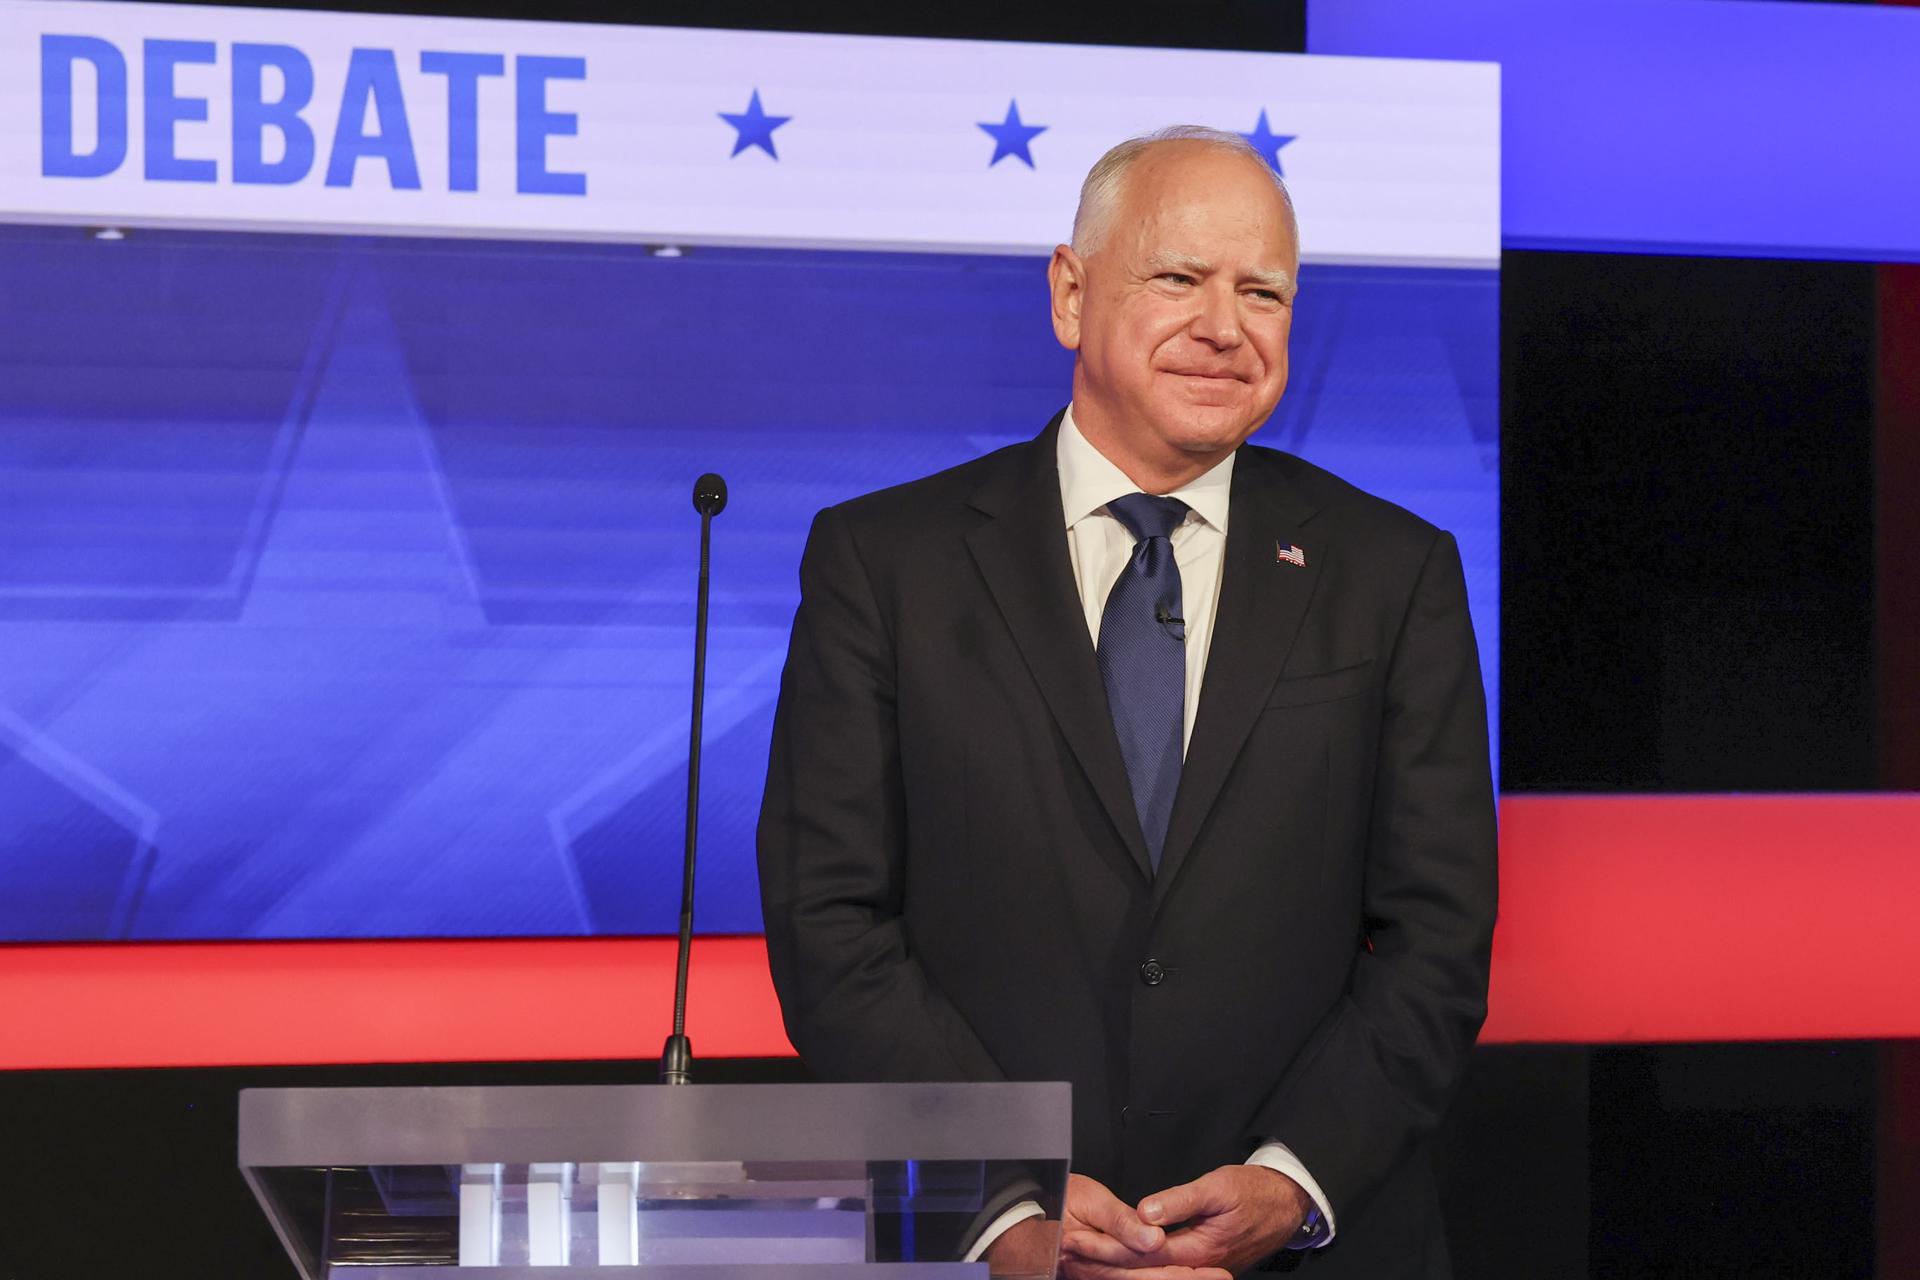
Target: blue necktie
point(1143, 660)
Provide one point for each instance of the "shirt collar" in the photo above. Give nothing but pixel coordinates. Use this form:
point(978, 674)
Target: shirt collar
point(1088, 481)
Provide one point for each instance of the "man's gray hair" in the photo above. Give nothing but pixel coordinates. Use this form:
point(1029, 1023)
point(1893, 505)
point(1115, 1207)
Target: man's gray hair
point(1106, 181)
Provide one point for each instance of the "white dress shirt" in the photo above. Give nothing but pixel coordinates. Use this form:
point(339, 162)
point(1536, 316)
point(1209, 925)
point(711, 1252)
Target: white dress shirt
point(1099, 547)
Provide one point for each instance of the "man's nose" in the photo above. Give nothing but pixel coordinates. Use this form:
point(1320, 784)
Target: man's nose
point(1218, 321)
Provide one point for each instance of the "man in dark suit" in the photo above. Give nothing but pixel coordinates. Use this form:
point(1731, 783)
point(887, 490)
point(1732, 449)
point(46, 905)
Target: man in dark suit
point(1140, 758)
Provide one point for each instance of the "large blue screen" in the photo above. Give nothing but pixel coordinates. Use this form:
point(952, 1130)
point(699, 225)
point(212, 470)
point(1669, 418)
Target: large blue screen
point(346, 585)
point(1743, 127)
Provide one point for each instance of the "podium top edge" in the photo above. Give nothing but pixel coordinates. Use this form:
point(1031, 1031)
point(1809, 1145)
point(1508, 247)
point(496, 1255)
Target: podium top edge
point(466, 1124)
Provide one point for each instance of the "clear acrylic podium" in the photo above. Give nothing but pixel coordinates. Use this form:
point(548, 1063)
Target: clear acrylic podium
point(688, 1182)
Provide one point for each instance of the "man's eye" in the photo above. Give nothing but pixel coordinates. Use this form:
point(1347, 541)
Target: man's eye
point(1265, 295)
point(1176, 277)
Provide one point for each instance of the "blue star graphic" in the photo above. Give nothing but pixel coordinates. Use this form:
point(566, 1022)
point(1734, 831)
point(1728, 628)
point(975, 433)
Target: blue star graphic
point(1011, 136)
point(754, 127)
point(1268, 143)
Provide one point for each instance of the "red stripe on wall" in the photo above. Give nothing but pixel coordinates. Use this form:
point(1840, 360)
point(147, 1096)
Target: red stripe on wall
point(260, 1003)
point(1645, 918)
point(1623, 918)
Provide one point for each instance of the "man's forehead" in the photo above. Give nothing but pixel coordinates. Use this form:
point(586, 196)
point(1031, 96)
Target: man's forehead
point(1199, 223)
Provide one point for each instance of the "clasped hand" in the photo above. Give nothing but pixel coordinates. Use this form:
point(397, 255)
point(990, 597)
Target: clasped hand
point(1207, 1229)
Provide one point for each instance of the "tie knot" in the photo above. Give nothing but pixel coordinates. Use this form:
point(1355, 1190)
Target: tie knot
point(1147, 516)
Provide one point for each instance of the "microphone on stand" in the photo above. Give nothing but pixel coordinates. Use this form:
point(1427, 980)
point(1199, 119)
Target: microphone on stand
point(676, 1059)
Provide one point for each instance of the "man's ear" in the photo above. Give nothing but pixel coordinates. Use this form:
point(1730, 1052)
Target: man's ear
point(1067, 278)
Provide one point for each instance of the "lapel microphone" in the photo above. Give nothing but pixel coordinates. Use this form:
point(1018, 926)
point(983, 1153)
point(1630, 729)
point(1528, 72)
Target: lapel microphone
point(1164, 615)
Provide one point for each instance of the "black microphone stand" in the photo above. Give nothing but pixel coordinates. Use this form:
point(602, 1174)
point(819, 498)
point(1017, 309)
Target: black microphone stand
point(676, 1059)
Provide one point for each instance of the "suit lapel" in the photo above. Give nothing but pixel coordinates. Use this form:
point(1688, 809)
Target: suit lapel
point(1022, 553)
point(1262, 603)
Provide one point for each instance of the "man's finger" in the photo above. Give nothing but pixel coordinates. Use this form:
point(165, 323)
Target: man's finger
point(1193, 1247)
point(1106, 1212)
point(1197, 1199)
point(1098, 1246)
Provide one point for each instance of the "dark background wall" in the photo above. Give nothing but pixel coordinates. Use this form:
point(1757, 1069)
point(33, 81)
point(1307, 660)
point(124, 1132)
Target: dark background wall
point(1687, 524)
point(1687, 521)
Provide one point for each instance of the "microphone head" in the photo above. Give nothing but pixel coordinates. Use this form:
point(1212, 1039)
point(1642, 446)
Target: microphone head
point(709, 495)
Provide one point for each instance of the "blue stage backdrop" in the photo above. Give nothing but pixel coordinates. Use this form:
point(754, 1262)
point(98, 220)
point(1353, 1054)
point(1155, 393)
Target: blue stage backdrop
point(346, 586)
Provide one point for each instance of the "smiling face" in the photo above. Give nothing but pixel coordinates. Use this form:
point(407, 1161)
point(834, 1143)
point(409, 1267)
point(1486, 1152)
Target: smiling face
point(1179, 314)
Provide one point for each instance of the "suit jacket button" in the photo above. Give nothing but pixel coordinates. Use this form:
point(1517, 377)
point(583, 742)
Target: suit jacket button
point(1153, 973)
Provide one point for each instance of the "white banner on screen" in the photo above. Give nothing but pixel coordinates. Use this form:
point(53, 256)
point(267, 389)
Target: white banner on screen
point(135, 114)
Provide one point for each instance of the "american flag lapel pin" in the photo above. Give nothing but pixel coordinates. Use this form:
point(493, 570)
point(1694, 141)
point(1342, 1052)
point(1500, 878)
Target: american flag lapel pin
point(1287, 553)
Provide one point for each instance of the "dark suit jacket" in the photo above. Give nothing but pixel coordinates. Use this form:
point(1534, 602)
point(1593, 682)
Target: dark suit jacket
point(956, 888)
